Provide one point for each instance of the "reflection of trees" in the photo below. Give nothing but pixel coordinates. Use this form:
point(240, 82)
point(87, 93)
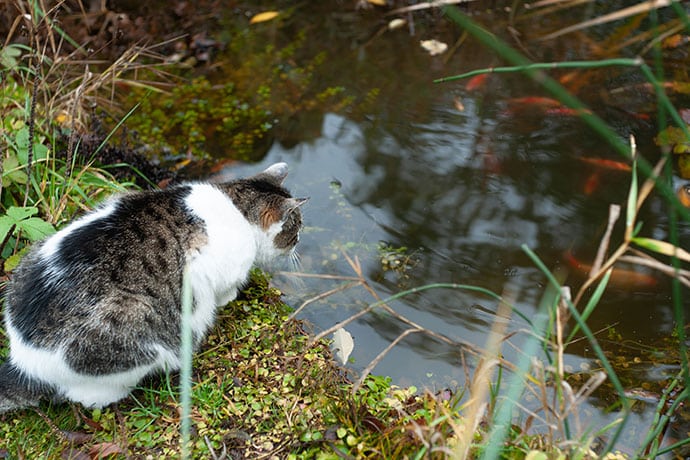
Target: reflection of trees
point(469, 223)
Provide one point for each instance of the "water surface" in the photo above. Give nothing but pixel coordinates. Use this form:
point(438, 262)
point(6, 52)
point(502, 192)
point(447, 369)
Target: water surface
point(453, 195)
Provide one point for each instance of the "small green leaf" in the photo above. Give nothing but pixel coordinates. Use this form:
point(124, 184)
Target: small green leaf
point(21, 213)
point(12, 261)
point(36, 228)
point(536, 455)
point(12, 172)
point(674, 137)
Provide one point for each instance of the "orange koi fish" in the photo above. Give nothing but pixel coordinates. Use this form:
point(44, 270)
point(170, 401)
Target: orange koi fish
point(683, 194)
point(566, 111)
point(592, 183)
point(606, 163)
point(620, 278)
point(538, 101)
point(476, 82)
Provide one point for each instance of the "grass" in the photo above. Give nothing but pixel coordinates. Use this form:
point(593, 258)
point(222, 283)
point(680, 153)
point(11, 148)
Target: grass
point(260, 389)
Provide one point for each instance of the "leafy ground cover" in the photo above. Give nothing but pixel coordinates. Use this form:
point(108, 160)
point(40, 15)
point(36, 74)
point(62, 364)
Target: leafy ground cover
point(258, 392)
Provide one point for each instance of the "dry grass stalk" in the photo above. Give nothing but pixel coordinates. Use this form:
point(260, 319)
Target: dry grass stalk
point(359, 280)
point(640, 8)
point(475, 408)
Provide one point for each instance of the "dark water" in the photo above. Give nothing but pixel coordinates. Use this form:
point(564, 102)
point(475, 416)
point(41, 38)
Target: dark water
point(460, 191)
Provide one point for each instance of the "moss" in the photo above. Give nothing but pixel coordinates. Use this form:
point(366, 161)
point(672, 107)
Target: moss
point(234, 117)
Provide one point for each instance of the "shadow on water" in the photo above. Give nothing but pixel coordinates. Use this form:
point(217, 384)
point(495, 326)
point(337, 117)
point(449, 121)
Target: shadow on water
point(461, 191)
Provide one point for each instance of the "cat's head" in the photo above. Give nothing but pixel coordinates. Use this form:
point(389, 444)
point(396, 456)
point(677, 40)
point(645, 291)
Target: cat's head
point(268, 205)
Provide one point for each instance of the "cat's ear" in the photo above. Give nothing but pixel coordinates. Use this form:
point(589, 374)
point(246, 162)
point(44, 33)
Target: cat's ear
point(293, 203)
point(275, 173)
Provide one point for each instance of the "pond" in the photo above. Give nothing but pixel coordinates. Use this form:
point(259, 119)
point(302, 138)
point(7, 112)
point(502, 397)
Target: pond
point(439, 183)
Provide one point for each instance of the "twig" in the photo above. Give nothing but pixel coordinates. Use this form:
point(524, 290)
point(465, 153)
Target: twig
point(32, 114)
point(374, 362)
point(426, 6)
point(642, 7)
point(323, 295)
point(614, 214)
point(682, 275)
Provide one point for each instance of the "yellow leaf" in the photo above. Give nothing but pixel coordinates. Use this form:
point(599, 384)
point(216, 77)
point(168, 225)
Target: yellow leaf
point(263, 17)
point(63, 119)
point(377, 2)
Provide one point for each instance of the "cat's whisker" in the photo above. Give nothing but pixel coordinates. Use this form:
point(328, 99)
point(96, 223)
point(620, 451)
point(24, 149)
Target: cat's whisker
point(295, 261)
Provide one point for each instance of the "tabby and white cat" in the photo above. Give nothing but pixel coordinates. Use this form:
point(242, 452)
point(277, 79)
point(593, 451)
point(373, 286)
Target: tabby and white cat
point(96, 307)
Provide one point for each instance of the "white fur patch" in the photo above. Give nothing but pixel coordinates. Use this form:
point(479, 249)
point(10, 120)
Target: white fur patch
point(52, 244)
point(89, 390)
point(221, 266)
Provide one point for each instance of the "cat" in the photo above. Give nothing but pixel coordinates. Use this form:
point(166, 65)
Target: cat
point(96, 307)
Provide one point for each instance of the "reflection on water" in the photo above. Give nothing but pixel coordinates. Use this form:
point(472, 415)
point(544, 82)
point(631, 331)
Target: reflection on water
point(462, 191)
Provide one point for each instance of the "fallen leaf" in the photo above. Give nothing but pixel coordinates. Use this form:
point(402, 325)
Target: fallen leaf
point(73, 454)
point(433, 47)
point(342, 345)
point(457, 102)
point(377, 2)
point(263, 17)
point(76, 437)
point(104, 449)
point(396, 24)
point(675, 41)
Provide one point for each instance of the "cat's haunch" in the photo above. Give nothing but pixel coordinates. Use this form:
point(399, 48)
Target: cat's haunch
point(96, 307)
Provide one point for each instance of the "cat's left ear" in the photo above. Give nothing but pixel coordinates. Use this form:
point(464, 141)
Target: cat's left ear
point(276, 173)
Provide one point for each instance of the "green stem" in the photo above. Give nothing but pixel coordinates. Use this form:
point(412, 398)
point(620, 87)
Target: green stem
point(186, 367)
point(546, 66)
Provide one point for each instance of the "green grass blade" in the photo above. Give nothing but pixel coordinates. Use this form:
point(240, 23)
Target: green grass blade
point(592, 303)
point(186, 367)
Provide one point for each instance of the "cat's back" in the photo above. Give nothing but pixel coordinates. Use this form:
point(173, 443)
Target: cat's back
point(135, 242)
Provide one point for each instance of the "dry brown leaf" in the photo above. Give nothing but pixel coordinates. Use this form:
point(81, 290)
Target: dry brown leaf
point(104, 449)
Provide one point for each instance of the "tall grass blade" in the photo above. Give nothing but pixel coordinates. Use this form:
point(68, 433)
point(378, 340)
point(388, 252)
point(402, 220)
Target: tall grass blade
point(186, 368)
point(592, 303)
point(631, 208)
point(503, 416)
